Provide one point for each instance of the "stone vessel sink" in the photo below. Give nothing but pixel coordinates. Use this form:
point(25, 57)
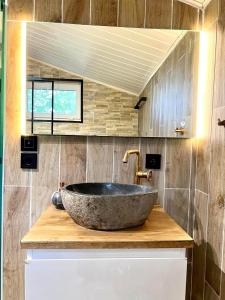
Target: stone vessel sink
point(108, 206)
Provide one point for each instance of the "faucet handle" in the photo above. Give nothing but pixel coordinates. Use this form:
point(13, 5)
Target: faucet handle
point(149, 175)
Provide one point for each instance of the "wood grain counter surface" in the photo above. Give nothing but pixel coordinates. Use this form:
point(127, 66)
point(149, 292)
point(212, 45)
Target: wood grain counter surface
point(56, 230)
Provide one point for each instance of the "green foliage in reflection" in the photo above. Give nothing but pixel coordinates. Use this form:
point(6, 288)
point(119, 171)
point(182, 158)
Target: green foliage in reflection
point(65, 102)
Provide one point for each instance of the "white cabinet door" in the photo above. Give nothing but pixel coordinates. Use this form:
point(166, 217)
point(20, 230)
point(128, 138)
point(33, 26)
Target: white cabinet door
point(106, 279)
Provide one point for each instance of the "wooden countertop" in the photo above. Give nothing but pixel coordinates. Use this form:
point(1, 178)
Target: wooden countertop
point(56, 230)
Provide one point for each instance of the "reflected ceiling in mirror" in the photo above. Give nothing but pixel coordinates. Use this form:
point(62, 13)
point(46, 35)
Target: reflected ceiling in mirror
point(115, 65)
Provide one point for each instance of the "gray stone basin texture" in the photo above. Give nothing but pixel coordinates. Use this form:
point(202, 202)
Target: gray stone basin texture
point(108, 206)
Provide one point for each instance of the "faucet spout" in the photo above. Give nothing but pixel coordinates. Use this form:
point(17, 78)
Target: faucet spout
point(138, 173)
point(128, 153)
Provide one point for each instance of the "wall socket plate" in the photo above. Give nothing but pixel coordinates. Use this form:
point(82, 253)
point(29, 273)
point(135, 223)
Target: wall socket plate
point(29, 143)
point(153, 161)
point(29, 161)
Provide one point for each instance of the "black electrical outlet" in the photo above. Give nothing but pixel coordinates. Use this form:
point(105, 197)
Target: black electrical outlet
point(29, 143)
point(29, 160)
point(153, 161)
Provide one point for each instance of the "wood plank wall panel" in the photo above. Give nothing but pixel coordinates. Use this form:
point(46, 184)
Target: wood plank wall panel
point(100, 159)
point(211, 13)
point(124, 172)
point(171, 92)
point(158, 14)
point(48, 10)
point(155, 146)
point(210, 170)
point(204, 143)
point(16, 224)
point(13, 175)
point(73, 159)
point(210, 294)
point(219, 89)
point(103, 150)
point(177, 205)
point(104, 12)
point(199, 252)
point(216, 211)
point(178, 161)
point(184, 16)
point(76, 11)
point(131, 13)
point(20, 10)
point(45, 180)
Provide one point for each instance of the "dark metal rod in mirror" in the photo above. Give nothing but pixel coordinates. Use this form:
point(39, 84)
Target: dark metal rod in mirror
point(142, 99)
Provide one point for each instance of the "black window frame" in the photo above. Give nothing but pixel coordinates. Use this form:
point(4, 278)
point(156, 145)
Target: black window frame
point(52, 121)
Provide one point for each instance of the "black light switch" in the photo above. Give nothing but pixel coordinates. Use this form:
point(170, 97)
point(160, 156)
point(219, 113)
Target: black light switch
point(153, 161)
point(29, 160)
point(29, 143)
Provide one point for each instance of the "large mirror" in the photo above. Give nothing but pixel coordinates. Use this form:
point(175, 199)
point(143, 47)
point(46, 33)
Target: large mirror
point(110, 81)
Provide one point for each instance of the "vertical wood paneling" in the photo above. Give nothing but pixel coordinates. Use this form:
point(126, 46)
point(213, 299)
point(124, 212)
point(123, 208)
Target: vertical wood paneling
point(178, 160)
point(211, 13)
point(13, 175)
point(124, 172)
point(210, 294)
point(99, 159)
point(73, 159)
point(131, 13)
point(16, 225)
point(219, 90)
point(184, 16)
point(45, 180)
point(20, 10)
point(76, 11)
point(172, 93)
point(155, 146)
point(216, 211)
point(48, 10)
point(204, 146)
point(199, 252)
point(177, 205)
point(158, 14)
point(104, 12)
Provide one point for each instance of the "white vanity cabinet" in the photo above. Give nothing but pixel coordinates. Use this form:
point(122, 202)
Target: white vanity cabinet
point(96, 274)
point(68, 262)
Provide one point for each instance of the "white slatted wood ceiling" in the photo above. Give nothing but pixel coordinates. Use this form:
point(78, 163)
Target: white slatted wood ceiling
point(119, 57)
point(196, 3)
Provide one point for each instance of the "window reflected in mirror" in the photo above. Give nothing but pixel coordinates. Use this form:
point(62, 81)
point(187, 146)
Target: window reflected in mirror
point(54, 100)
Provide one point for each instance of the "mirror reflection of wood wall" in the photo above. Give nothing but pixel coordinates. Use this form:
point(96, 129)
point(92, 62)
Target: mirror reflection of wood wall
point(160, 65)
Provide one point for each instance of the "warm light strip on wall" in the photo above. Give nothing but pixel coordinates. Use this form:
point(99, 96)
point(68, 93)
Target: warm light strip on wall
point(202, 77)
point(23, 76)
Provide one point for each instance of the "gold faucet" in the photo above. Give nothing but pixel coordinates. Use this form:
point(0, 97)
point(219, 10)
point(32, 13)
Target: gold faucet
point(138, 173)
